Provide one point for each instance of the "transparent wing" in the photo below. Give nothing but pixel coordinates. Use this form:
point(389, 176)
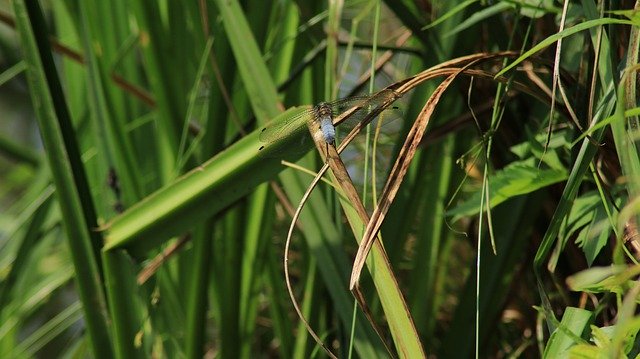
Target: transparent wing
point(367, 105)
point(340, 106)
point(278, 130)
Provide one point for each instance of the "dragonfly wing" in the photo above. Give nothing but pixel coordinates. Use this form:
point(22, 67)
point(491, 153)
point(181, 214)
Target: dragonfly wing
point(340, 106)
point(277, 130)
point(367, 105)
point(287, 136)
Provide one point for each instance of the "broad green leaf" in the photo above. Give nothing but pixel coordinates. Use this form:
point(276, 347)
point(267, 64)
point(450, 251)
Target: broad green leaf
point(615, 278)
point(574, 323)
point(595, 236)
point(67, 169)
point(514, 180)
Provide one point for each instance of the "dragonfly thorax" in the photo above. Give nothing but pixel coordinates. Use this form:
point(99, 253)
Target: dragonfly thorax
point(324, 113)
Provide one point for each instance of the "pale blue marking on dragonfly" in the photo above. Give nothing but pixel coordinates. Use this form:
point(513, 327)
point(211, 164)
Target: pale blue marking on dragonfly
point(323, 115)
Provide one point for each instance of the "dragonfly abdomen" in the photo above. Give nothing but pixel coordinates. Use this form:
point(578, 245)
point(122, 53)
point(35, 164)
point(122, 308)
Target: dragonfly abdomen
point(324, 112)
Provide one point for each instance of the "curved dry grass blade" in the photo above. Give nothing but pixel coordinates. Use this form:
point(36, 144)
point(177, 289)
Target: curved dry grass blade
point(322, 147)
point(556, 76)
point(343, 179)
point(333, 160)
point(396, 176)
point(339, 170)
point(287, 244)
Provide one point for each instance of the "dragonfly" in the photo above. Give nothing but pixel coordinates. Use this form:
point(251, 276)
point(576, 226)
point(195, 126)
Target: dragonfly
point(323, 115)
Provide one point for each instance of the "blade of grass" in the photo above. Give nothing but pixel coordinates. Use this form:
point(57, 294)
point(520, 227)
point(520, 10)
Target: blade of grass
point(583, 159)
point(625, 138)
point(37, 218)
point(200, 194)
point(49, 330)
point(120, 284)
point(110, 135)
point(480, 16)
point(574, 322)
point(562, 34)
point(456, 9)
point(162, 79)
point(67, 170)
